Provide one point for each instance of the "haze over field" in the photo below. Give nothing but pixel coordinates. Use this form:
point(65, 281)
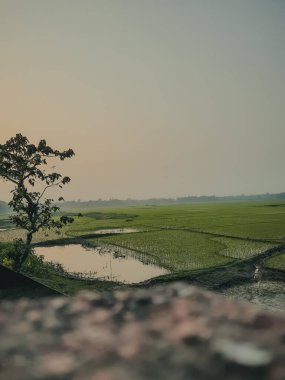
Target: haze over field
point(157, 98)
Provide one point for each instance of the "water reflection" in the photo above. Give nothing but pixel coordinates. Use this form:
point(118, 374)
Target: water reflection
point(116, 231)
point(108, 262)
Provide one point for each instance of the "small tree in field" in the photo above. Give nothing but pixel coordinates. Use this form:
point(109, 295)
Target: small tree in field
point(24, 164)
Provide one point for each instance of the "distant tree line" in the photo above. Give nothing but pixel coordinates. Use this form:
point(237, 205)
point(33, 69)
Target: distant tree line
point(78, 204)
point(67, 205)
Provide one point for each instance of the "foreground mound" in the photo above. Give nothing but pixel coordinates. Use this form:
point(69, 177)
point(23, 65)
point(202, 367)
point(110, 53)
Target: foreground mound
point(168, 332)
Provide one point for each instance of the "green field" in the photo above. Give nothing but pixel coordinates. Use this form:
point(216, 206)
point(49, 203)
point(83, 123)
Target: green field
point(190, 237)
point(184, 250)
point(276, 262)
point(186, 238)
point(256, 220)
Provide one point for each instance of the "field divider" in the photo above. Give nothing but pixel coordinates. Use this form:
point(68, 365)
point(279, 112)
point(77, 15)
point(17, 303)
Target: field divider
point(193, 230)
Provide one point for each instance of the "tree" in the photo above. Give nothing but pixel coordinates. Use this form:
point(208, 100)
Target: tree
point(23, 164)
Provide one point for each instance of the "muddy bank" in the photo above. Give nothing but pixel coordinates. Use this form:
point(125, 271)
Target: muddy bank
point(267, 294)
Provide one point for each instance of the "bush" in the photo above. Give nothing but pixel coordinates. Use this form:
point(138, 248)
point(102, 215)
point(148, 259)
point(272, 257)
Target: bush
point(10, 253)
point(7, 262)
point(35, 265)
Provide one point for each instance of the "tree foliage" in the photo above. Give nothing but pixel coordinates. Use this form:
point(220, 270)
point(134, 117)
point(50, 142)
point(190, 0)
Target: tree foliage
point(25, 166)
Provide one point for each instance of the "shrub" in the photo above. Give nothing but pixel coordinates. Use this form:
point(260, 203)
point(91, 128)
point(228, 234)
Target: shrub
point(11, 253)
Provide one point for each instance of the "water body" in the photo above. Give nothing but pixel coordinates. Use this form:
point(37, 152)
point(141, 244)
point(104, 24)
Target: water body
point(116, 231)
point(108, 263)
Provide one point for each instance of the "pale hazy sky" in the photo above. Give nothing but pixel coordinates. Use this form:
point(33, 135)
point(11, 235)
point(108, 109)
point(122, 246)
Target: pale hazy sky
point(158, 98)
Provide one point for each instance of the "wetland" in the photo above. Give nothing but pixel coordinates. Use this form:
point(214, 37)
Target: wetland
point(213, 245)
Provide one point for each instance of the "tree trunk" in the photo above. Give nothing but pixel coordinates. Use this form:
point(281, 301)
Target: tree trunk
point(26, 251)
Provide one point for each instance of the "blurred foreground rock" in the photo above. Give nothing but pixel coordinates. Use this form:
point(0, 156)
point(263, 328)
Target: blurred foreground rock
point(169, 332)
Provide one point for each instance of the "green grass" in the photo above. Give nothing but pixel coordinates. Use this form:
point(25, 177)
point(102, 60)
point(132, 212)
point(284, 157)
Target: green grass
point(241, 249)
point(176, 250)
point(12, 234)
point(247, 219)
point(254, 220)
point(88, 224)
point(69, 286)
point(183, 250)
point(177, 247)
point(276, 262)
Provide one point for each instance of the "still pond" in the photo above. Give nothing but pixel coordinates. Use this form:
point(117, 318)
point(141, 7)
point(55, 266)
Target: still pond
point(103, 262)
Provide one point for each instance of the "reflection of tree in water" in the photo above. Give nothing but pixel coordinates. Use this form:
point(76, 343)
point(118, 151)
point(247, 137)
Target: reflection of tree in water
point(123, 253)
point(120, 253)
point(145, 259)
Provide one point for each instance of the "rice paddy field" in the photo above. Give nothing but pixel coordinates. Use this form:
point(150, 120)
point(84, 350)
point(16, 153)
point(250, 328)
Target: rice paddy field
point(255, 220)
point(213, 244)
point(184, 250)
point(184, 237)
point(188, 237)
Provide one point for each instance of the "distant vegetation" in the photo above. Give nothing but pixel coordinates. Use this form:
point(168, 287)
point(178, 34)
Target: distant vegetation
point(92, 204)
point(79, 205)
point(4, 208)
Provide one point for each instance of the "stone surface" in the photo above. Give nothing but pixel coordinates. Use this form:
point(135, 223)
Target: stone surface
point(168, 332)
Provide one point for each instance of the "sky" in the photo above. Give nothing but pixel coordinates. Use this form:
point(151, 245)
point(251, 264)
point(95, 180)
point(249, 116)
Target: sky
point(157, 98)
